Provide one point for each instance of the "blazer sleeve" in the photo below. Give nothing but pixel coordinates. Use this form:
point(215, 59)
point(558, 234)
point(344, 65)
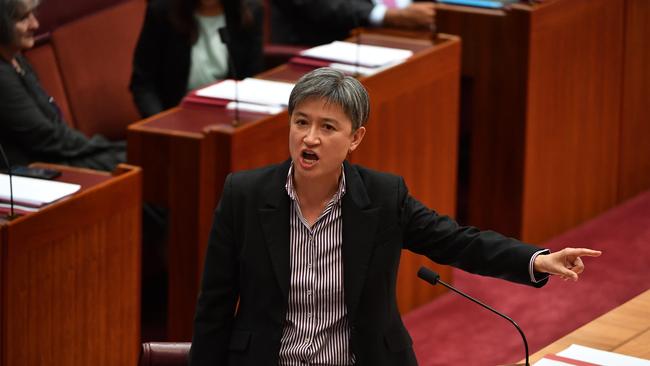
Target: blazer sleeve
point(444, 241)
point(331, 14)
point(219, 288)
point(26, 125)
point(147, 61)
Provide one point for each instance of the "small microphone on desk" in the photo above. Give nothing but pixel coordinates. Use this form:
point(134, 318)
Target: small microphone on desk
point(434, 278)
point(434, 28)
point(12, 215)
point(225, 38)
point(357, 40)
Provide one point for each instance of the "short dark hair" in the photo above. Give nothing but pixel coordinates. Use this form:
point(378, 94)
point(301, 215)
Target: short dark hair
point(9, 12)
point(337, 88)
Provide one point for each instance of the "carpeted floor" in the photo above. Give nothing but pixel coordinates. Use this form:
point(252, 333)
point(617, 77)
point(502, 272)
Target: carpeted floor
point(454, 331)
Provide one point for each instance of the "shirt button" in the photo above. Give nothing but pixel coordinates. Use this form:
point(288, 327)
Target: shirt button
point(309, 315)
point(309, 292)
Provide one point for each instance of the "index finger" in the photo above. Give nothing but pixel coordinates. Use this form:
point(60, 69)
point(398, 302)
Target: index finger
point(585, 252)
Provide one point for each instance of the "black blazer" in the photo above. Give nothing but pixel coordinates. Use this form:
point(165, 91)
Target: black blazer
point(161, 63)
point(248, 257)
point(32, 128)
point(318, 21)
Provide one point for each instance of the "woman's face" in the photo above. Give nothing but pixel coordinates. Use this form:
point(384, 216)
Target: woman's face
point(25, 27)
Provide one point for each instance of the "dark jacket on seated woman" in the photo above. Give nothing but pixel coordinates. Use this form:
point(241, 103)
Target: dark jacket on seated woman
point(32, 128)
point(162, 60)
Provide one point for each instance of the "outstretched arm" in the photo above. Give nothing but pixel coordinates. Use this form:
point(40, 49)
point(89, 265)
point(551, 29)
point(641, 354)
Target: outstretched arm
point(566, 263)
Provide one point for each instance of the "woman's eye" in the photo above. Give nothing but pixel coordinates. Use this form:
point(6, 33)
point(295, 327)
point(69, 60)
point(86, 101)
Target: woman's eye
point(329, 127)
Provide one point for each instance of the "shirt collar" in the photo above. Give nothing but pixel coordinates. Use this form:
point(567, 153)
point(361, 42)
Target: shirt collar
point(291, 191)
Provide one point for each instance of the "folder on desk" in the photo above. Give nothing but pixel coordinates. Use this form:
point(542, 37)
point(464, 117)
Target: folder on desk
point(32, 192)
point(577, 355)
point(357, 54)
point(250, 90)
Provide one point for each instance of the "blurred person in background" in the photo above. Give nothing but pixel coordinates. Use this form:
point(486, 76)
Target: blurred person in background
point(180, 48)
point(31, 125)
point(322, 21)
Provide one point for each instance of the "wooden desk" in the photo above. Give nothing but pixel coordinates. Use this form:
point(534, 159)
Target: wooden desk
point(624, 330)
point(186, 154)
point(70, 275)
point(540, 100)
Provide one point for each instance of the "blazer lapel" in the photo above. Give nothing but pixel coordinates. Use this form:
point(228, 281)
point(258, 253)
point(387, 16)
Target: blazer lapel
point(359, 228)
point(274, 216)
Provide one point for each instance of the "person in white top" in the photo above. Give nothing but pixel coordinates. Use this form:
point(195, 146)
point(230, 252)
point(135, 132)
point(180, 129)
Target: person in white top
point(180, 48)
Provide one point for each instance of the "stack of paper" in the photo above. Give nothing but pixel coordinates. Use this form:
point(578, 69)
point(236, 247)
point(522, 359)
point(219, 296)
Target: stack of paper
point(256, 95)
point(576, 355)
point(353, 57)
point(32, 192)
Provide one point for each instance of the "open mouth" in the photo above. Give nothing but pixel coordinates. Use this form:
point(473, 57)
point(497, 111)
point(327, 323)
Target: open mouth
point(309, 157)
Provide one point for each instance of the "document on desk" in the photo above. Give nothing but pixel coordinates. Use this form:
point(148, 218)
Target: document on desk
point(34, 192)
point(358, 54)
point(250, 90)
point(577, 355)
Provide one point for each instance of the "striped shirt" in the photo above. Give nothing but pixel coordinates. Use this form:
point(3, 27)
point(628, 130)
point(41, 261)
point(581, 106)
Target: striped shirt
point(316, 329)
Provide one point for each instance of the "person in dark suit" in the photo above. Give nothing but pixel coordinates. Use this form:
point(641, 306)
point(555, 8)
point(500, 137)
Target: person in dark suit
point(302, 261)
point(322, 21)
point(31, 125)
point(180, 48)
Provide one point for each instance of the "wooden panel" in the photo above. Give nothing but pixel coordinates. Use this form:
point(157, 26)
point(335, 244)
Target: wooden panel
point(625, 330)
point(493, 100)
point(95, 55)
point(573, 115)
point(539, 123)
point(71, 278)
point(634, 169)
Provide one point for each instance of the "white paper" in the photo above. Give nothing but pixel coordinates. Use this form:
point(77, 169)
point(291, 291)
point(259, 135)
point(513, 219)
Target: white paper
point(35, 192)
point(547, 362)
point(256, 108)
point(250, 90)
point(361, 54)
point(598, 357)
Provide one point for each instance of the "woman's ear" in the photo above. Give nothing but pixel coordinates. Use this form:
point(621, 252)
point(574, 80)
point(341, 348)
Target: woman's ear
point(357, 137)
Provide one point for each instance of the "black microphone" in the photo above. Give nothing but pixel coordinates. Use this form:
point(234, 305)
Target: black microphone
point(12, 215)
point(434, 278)
point(357, 39)
point(434, 28)
point(225, 38)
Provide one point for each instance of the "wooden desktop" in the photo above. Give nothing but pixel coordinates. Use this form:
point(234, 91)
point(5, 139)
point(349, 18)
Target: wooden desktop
point(186, 154)
point(624, 330)
point(70, 275)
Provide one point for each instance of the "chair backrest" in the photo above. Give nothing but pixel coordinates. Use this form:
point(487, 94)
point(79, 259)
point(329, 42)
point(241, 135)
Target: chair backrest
point(46, 67)
point(95, 55)
point(165, 354)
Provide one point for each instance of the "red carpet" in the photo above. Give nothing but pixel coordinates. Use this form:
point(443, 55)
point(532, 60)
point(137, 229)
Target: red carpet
point(454, 331)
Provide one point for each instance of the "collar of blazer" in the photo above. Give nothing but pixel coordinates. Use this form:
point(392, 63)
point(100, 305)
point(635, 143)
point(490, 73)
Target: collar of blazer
point(360, 221)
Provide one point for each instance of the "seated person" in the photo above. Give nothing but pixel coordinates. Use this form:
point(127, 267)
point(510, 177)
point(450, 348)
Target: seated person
point(31, 126)
point(323, 21)
point(180, 48)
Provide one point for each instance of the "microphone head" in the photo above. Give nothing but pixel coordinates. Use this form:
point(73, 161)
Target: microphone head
point(225, 36)
point(428, 275)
